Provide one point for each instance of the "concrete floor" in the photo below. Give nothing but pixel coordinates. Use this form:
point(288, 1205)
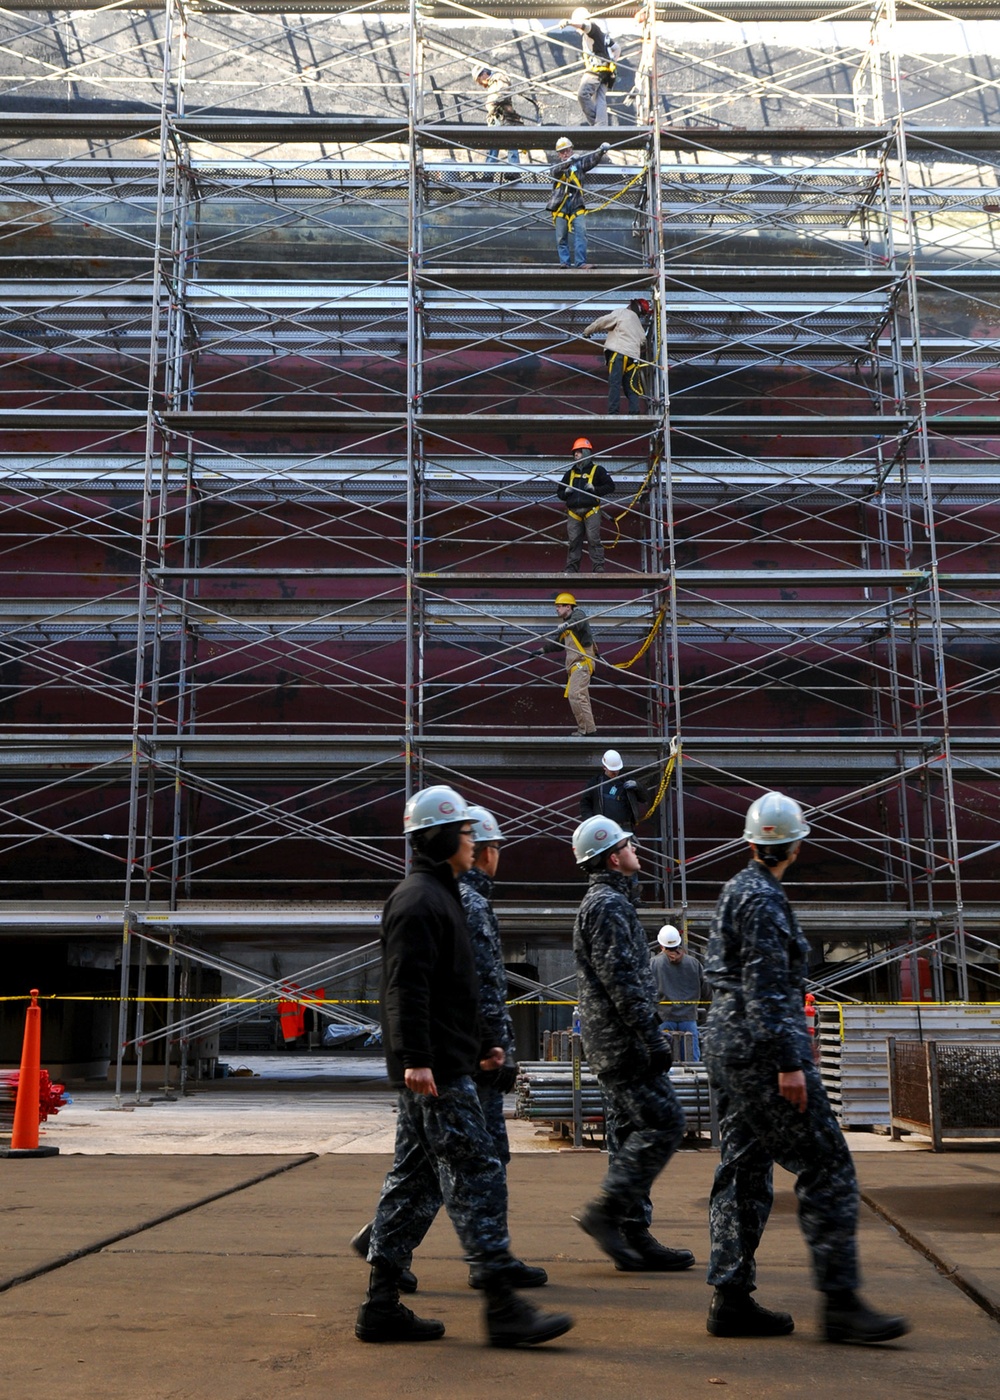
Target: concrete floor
point(220, 1269)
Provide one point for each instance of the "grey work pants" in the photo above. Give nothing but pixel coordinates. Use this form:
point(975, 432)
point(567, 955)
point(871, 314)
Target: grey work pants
point(592, 96)
point(576, 530)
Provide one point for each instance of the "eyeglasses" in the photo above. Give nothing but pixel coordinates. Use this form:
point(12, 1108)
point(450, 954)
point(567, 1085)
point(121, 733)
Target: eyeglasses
point(630, 842)
point(466, 831)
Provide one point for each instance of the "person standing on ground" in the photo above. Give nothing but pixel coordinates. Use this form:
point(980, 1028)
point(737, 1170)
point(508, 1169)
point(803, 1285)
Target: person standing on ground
point(599, 69)
point(624, 353)
point(568, 203)
point(621, 1031)
point(475, 888)
point(575, 638)
point(584, 485)
point(771, 1101)
point(435, 1040)
point(678, 981)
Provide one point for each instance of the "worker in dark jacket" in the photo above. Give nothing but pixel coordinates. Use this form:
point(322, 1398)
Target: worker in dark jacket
point(435, 1040)
point(568, 203)
point(575, 638)
point(584, 485)
point(475, 887)
point(621, 1030)
point(771, 1101)
point(614, 795)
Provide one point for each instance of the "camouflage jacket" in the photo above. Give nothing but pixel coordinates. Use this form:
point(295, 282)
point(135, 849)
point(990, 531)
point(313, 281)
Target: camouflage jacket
point(618, 1011)
point(756, 964)
point(476, 889)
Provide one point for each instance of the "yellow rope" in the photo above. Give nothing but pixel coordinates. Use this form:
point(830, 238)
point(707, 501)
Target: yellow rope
point(675, 749)
point(641, 176)
point(658, 622)
point(641, 491)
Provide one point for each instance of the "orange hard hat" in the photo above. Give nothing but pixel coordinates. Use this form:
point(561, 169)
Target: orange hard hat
point(583, 443)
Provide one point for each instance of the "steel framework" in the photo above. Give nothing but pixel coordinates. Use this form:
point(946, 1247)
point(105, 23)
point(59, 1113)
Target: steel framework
point(288, 376)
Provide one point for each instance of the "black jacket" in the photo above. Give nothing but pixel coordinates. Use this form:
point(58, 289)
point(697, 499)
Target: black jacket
point(621, 798)
point(430, 990)
point(574, 490)
point(567, 176)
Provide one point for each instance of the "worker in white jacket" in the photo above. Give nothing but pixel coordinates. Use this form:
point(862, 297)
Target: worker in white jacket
point(624, 352)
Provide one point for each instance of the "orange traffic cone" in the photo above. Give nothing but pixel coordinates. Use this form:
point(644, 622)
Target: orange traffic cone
point(24, 1138)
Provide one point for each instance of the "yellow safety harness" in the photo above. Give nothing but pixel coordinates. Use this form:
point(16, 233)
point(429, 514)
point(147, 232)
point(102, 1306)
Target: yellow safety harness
point(593, 64)
point(584, 662)
point(588, 477)
point(568, 180)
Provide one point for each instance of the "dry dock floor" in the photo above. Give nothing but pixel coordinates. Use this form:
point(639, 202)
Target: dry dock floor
point(198, 1271)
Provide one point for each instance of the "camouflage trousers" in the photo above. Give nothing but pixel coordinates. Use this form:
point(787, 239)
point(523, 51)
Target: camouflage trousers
point(644, 1125)
point(759, 1128)
point(444, 1154)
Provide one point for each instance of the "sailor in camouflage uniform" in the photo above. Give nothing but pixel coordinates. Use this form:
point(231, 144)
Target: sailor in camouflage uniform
point(771, 1101)
point(475, 888)
point(621, 1029)
point(435, 1039)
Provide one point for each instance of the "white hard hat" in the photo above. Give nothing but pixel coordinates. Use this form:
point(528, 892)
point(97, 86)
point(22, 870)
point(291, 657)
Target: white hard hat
point(612, 760)
point(564, 144)
point(775, 819)
point(478, 69)
point(484, 825)
point(580, 16)
point(669, 937)
point(595, 836)
point(434, 806)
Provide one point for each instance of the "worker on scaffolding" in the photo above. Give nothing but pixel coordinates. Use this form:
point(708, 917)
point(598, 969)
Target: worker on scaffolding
point(771, 1101)
point(500, 109)
point(475, 888)
point(584, 485)
point(599, 68)
point(435, 1041)
point(568, 203)
point(621, 1028)
point(624, 332)
point(616, 796)
point(575, 638)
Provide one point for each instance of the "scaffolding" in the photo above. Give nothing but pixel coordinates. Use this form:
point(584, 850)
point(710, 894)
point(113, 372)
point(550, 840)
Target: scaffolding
point(288, 376)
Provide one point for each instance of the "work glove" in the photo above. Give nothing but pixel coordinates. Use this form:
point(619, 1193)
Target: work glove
point(605, 145)
point(503, 1078)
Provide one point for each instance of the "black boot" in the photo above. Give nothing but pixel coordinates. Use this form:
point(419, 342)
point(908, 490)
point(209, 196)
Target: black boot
point(382, 1317)
point(360, 1244)
point(656, 1258)
point(846, 1318)
point(602, 1222)
point(513, 1322)
point(517, 1274)
point(733, 1313)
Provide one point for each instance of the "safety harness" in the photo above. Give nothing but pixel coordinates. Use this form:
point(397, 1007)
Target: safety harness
point(602, 67)
point(631, 371)
point(571, 485)
point(584, 662)
point(569, 180)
